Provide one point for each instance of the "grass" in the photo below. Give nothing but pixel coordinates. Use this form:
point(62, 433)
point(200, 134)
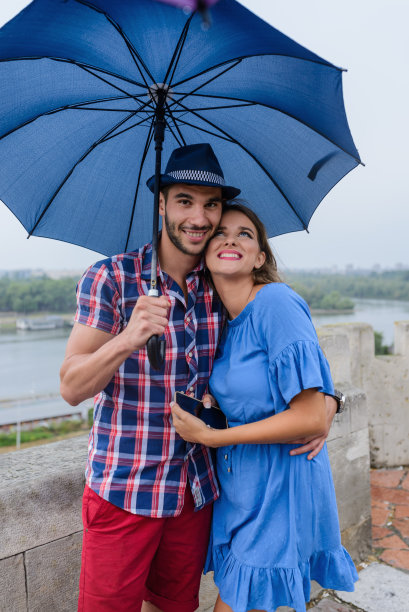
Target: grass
point(41, 433)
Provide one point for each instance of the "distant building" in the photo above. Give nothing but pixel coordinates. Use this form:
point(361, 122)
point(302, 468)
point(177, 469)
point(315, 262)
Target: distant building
point(22, 274)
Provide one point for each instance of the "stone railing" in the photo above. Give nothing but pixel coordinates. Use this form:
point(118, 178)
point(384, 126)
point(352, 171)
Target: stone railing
point(41, 487)
point(385, 380)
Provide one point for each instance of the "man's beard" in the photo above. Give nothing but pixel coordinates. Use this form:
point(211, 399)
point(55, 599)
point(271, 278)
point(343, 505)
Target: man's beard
point(174, 238)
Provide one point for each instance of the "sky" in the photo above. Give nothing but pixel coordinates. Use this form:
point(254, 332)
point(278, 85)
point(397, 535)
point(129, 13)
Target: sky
point(364, 220)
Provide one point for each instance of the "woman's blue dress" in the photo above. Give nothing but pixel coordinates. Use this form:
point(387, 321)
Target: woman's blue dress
point(275, 525)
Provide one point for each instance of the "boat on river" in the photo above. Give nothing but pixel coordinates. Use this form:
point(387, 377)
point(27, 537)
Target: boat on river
point(40, 323)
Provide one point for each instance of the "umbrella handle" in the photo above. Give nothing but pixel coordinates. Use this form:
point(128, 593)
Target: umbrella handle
point(156, 352)
point(155, 347)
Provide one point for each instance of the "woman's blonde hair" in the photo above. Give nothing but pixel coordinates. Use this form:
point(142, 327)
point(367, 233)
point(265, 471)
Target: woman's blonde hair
point(268, 272)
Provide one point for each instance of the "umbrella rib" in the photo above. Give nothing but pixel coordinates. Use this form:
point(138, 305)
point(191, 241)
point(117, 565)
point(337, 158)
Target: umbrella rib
point(112, 110)
point(128, 43)
point(258, 162)
point(57, 110)
point(91, 148)
point(80, 65)
point(279, 110)
point(196, 127)
point(178, 50)
point(129, 128)
point(145, 153)
point(180, 144)
point(105, 81)
point(206, 83)
point(243, 57)
point(205, 108)
point(175, 124)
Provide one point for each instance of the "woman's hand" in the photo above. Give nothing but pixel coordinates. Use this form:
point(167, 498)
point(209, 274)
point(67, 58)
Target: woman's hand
point(189, 427)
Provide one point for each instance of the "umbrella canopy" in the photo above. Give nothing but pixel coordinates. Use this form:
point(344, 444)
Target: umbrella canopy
point(81, 81)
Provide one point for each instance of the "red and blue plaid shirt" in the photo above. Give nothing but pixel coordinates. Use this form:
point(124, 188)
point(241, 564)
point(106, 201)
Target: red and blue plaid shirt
point(136, 460)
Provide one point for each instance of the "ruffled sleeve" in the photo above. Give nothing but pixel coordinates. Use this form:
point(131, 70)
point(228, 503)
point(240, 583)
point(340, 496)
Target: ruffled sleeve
point(301, 365)
point(295, 358)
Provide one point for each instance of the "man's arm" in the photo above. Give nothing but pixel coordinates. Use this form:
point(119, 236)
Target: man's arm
point(314, 445)
point(93, 356)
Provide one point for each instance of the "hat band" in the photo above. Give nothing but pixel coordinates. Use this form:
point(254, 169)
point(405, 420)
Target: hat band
point(197, 175)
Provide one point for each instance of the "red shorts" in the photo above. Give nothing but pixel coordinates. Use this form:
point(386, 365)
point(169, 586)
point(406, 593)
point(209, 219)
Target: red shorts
point(128, 558)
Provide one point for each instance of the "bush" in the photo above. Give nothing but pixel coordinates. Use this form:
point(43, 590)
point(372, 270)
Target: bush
point(380, 347)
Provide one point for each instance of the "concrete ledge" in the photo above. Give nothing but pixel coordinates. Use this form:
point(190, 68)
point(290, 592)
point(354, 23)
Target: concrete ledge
point(40, 494)
point(385, 379)
point(53, 572)
point(13, 585)
point(348, 449)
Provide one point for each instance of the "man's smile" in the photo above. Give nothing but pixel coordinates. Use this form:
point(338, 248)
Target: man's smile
point(195, 235)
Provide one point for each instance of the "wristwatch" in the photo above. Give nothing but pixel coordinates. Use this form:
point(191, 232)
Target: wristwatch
point(339, 397)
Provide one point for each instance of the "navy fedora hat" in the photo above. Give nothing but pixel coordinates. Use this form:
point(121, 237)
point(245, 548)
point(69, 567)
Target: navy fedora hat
point(195, 165)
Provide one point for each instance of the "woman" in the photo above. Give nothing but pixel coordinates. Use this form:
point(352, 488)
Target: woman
point(275, 525)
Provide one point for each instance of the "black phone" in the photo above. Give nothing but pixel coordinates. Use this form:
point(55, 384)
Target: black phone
point(212, 416)
point(189, 403)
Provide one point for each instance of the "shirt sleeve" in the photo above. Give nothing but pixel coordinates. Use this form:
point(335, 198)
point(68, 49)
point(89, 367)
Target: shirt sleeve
point(296, 360)
point(98, 300)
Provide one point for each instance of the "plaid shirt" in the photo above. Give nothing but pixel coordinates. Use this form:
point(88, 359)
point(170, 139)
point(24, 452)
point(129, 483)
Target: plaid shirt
point(135, 458)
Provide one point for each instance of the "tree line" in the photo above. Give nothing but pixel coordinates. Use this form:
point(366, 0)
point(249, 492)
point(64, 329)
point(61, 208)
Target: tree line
point(387, 285)
point(26, 296)
point(320, 291)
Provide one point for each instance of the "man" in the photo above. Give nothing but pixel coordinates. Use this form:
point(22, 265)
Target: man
point(143, 539)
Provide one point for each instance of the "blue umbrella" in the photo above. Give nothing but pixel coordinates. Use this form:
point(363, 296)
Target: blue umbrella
point(90, 88)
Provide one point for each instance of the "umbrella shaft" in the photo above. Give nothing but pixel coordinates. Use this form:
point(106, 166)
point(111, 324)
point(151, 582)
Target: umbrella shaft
point(159, 136)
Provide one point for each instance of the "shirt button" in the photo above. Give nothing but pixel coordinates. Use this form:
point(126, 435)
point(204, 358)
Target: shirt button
point(229, 469)
point(190, 354)
point(191, 389)
point(225, 457)
point(187, 319)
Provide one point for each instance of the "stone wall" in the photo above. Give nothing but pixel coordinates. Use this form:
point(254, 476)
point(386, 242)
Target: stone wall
point(40, 511)
point(385, 380)
point(41, 529)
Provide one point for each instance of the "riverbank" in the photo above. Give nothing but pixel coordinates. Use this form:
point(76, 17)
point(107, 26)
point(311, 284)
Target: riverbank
point(332, 311)
point(41, 441)
point(8, 320)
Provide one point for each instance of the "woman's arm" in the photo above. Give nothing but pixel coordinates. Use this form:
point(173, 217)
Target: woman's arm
point(306, 417)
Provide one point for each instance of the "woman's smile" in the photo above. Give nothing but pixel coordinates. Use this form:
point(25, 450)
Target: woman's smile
point(229, 254)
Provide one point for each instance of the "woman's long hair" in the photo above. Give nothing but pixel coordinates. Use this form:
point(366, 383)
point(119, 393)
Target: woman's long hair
point(268, 272)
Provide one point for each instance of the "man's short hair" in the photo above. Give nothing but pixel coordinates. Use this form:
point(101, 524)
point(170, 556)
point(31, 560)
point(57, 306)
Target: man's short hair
point(165, 190)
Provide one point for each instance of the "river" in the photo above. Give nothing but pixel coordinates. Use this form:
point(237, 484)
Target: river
point(381, 314)
point(30, 361)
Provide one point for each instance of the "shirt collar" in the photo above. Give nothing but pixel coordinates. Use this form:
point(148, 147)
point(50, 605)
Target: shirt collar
point(147, 260)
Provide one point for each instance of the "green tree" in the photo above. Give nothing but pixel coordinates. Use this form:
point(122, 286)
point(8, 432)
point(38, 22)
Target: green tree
point(380, 347)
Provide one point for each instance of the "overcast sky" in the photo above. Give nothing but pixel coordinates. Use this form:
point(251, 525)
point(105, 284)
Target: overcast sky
point(365, 218)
